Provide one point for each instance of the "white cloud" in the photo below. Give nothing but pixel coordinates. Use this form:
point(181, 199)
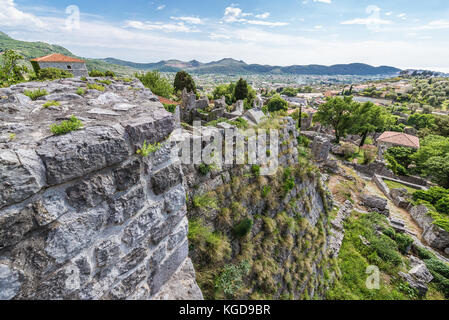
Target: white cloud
point(191, 20)
point(323, 1)
point(263, 15)
point(161, 7)
point(217, 36)
point(10, 16)
point(435, 25)
point(367, 21)
point(266, 23)
point(402, 16)
point(166, 27)
point(234, 14)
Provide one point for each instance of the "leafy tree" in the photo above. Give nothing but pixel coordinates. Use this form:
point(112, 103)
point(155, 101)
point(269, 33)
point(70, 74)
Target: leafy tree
point(184, 80)
point(156, 83)
point(336, 112)
point(277, 104)
point(421, 121)
point(241, 90)
point(441, 126)
point(368, 118)
point(290, 92)
point(432, 159)
point(10, 69)
point(402, 155)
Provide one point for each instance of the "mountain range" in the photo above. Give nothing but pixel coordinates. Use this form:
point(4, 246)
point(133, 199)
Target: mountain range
point(225, 66)
point(231, 66)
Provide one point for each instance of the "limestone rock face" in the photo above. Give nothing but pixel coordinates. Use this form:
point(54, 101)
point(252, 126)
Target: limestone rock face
point(82, 216)
point(432, 234)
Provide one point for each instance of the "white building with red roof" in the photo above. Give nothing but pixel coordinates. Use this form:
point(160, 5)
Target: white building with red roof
point(391, 139)
point(75, 66)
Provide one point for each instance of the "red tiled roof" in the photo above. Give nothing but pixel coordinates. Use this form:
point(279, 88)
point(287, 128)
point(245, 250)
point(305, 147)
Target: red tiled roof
point(400, 139)
point(167, 101)
point(57, 57)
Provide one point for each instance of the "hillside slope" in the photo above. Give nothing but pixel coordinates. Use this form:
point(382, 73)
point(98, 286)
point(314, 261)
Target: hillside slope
point(38, 49)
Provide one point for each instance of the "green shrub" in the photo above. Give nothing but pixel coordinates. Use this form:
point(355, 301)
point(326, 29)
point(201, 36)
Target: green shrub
point(289, 180)
point(205, 202)
point(53, 74)
point(255, 169)
point(95, 86)
point(303, 141)
point(81, 91)
point(432, 195)
point(106, 82)
point(36, 94)
point(170, 107)
point(243, 227)
point(109, 73)
point(51, 104)
point(266, 191)
point(231, 278)
point(148, 148)
point(204, 169)
point(66, 126)
point(443, 205)
point(96, 73)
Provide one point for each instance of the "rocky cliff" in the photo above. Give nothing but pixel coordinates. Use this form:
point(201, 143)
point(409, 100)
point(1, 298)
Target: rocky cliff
point(82, 216)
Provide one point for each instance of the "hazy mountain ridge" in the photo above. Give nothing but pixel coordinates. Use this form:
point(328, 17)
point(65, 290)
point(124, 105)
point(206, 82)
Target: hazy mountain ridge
point(231, 66)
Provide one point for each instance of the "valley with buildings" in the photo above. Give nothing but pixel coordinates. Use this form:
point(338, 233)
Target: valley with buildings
point(220, 181)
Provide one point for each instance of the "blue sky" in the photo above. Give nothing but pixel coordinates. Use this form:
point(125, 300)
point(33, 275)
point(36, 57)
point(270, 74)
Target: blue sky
point(405, 34)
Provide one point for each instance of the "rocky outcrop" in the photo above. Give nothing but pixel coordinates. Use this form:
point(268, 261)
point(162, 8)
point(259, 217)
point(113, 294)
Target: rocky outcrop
point(435, 236)
point(82, 216)
point(375, 204)
point(418, 277)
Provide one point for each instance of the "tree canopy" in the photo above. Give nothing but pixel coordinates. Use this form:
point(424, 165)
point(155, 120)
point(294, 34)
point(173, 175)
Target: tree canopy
point(277, 104)
point(156, 83)
point(184, 80)
point(336, 112)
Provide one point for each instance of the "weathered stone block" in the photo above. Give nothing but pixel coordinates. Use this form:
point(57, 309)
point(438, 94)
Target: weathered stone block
point(22, 174)
point(127, 176)
point(81, 152)
point(164, 271)
point(129, 284)
point(9, 282)
point(73, 233)
point(139, 228)
point(14, 224)
point(90, 193)
point(107, 253)
point(151, 129)
point(166, 178)
point(126, 206)
point(132, 259)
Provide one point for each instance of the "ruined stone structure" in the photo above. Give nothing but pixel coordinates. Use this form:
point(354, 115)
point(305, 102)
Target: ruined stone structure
point(82, 216)
point(75, 66)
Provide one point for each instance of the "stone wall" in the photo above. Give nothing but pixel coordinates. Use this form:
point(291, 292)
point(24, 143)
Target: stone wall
point(82, 216)
point(76, 68)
